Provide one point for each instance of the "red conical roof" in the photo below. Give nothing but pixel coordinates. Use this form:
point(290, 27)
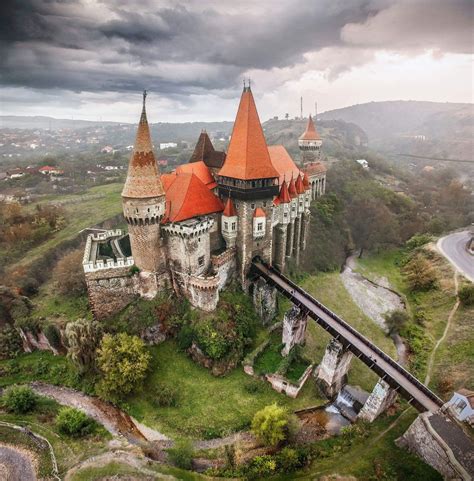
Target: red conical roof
point(229, 209)
point(284, 196)
point(248, 157)
point(306, 181)
point(292, 189)
point(143, 177)
point(299, 185)
point(310, 133)
point(259, 212)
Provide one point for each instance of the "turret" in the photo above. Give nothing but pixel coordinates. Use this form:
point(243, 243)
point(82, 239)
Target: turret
point(310, 143)
point(143, 200)
point(229, 223)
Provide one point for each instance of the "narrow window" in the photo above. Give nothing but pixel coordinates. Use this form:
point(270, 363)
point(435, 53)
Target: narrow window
point(201, 261)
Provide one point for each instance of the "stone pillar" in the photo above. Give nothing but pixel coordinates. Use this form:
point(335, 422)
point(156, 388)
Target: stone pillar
point(331, 373)
point(280, 247)
point(304, 230)
point(264, 300)
point(289, 239)
point(296, 239)
point(294, 328)
point(382, 397)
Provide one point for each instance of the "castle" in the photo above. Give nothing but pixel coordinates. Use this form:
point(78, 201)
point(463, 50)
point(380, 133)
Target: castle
point(199, 227)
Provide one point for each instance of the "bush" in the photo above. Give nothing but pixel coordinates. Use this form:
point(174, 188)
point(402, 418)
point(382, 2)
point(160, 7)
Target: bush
point(254, 387)
point(53, 335)
point(124, 361)
point(466, 295)
point(165, 396)
point(83, 338)
point(73, 422)
point(185, 337)
point(396, 320)
point(19, 399)
point(182, 454)
point(270, 425)
point(420, 274)
point(418, 240)
point(10, 342)
point(261, 467)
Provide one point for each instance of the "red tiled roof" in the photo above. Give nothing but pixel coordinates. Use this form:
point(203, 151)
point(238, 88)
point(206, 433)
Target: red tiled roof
point(292, 189)
point(315, 168)
point(310, 133)
point(201, 170)
point(204, 151)
point(282, 162)
point(143, 177)
point(168, 179)
point(284, 196)
point(188, 197)
point(306, 181)
point(299, 185)
point(248, 157)
point(259, 212)
point(229, 209)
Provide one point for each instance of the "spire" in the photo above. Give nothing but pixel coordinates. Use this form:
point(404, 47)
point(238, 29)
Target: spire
point(204, 151)
point(310, 133)
point(284, 196)
point(299, 185)
point(229, 209)
point(306, 181)
point(143, 177)
point(292, 189)
point(248, 157)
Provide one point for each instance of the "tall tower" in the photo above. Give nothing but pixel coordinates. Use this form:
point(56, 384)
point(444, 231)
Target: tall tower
point(143, 201)
point(250, 180)
point(310, 144)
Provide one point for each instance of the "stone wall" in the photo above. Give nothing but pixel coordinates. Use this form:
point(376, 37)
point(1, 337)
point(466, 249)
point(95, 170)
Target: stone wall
point(264, 299)
point(452, 456)
point(382, 397)
point(284, 386)
point(111, 290)
point(146, 245)
point(294, 328)
point(224, 265)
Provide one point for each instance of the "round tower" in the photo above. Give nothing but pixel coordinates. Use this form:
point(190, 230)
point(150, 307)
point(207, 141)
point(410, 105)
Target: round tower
point(310, 144)
point(143, 200)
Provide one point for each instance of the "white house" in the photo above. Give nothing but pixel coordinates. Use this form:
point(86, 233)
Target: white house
point(363, 163)
point(168, 145)
point(462, 404)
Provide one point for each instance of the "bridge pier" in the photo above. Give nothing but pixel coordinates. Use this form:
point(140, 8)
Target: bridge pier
point(331, 374)
point(264, 299)
point(294, 328)
point(382, 397)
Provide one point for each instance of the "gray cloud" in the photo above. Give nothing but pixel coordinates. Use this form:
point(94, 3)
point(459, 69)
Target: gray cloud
point(196, 47)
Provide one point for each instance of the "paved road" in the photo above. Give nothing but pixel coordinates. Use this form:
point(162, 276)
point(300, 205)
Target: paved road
point(15, 466)
point(453, 247)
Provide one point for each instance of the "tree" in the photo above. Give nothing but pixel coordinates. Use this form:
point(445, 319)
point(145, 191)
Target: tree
point(123, 361)
point(19, 399)
point(68, 274)
point(181, 454)
point(396, 320)
point(466, 295)
point(270, 425)
point(420, 274)
point(73, 422)
point(10, 342)
point(83, 338)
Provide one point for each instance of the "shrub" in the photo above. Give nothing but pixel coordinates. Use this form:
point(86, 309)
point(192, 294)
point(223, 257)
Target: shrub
point(466, 295)
point(181, 455)
point(270, 424)
point(53, 335)
point(73, 422)
point(261, 467)
point(19, 399)
point(185, 337)
point(133, 270)
point(124, 361)
point(396, 320)
point(10, 342)
point(420, 274)
point(83, 338)
point(288, 460)
point(254, 387)
point(165, 396)
point(418, 240)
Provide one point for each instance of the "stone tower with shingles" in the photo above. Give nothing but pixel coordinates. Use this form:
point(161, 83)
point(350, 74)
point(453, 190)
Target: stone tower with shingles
point(310, 144)
point(250, 180)
point(143, 200)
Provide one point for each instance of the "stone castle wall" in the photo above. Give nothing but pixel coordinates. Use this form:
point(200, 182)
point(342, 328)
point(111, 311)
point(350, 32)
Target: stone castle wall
point(224, 265)
point(147, 249)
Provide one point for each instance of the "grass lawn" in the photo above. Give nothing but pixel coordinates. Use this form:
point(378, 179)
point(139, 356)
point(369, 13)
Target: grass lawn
point(79, 215)
point(329, 289)
point(207, 406)
point(369, 457)
point(68, 450)
point(51, 305)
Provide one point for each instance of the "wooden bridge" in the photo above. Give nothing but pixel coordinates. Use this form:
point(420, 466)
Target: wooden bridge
point(389, 370)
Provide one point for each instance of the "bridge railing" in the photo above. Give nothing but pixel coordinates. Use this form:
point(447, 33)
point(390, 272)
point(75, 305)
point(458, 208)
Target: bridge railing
point(354, 332)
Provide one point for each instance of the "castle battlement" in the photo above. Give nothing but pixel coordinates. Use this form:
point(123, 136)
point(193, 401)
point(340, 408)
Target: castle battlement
point(190, 228)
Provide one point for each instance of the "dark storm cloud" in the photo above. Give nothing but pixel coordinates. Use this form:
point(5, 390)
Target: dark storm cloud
point(177, 50)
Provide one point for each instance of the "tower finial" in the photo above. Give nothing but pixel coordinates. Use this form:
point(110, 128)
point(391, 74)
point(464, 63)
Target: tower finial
point(144, 97)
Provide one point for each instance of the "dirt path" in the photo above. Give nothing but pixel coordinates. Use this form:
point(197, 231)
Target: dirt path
point(138, 463)
point(445, 332)
point(113, 419)
point(16, 464)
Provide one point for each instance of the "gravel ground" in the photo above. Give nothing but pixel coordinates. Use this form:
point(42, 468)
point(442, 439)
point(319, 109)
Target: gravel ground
point(15, 465)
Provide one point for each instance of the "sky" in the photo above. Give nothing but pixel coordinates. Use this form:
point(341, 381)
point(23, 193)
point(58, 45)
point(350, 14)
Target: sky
point(91, 59)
